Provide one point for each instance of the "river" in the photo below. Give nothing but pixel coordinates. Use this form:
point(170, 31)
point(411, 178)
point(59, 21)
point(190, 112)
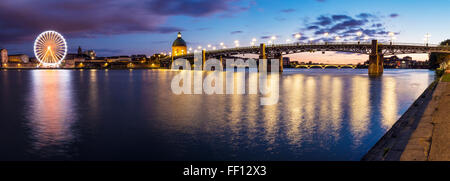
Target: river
point(326, 114)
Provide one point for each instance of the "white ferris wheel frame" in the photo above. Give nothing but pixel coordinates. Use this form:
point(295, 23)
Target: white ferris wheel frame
point(36, 53)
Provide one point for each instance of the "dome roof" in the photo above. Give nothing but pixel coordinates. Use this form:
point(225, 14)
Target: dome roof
point(179, 41)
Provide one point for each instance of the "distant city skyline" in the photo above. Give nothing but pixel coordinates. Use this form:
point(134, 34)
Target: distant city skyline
point(118, 27)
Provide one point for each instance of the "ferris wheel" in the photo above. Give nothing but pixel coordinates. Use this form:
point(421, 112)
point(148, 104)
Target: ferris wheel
point(50, 48)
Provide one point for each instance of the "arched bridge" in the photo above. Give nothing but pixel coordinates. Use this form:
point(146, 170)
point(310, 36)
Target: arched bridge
point(324, 66)
point(375, 50)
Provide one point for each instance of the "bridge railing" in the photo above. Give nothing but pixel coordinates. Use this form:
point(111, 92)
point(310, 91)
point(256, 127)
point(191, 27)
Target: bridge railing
point(309, 44)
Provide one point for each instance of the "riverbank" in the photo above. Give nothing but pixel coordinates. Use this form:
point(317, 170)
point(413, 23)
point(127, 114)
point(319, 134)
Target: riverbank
point(422, 133)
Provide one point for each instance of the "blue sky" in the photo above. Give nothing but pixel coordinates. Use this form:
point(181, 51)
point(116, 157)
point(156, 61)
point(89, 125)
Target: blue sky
point(145, 27)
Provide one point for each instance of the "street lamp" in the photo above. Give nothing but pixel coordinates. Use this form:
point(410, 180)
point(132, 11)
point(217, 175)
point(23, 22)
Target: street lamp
point(427, 37)
point(366, 38)
point(273, 38)
point(288, 40)
point(325, 35)
point(391, 34)
point(298, 36)
point(311, 40)
point(254, 39)
point(359, 33)
point(337, 38)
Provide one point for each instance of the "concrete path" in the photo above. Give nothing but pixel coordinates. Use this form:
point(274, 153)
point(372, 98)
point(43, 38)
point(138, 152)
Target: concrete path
point(422, 133)
point(431, 140)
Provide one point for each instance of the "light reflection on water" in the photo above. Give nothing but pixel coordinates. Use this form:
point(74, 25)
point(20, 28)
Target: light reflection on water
point(133, 115)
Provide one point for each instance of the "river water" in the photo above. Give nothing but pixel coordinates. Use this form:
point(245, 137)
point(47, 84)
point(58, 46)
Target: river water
point(326, 114)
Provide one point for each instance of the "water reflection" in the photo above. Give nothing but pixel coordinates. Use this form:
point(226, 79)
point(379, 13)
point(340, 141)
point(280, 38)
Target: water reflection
point(389, 103)
point(133, 115)
point(360, 107)
point(50, 114)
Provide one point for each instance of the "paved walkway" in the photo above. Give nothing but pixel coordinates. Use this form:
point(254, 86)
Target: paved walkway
point(423, 131)
point(431, 139)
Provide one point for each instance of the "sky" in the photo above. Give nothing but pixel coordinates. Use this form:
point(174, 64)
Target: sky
point(126, 27)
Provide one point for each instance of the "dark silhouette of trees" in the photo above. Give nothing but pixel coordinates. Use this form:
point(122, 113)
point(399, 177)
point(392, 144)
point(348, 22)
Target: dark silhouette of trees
point(446, 42)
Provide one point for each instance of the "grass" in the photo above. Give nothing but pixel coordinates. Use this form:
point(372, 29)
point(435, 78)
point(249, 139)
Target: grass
point(446, 77)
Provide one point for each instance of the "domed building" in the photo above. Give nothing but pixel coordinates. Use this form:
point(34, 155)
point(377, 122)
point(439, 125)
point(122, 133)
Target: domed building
point(179, 46)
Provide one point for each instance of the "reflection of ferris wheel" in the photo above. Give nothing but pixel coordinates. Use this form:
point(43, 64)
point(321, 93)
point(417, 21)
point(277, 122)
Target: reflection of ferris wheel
point(50, 48)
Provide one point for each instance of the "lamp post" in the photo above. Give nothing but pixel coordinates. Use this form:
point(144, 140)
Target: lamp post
point(326, 36)
point(391, 34)
point(298, 36)
point(427, 38)
point(366, 38)
point(273, 38)
point(236, 43)
point(359, 33)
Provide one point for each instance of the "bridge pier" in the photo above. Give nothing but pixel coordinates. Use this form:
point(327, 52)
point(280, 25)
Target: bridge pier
point(280, 60)
point(203, 59)
point(262, 51)
point(375, 60)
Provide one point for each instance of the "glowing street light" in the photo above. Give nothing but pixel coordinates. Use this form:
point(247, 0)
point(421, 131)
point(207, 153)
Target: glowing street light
point(298, 36)
point(359, 34)
point(236, 41)
point(391, 34)
point(209, 45)
point(252, 43)
point(288, 40)
point(190, 48)
point(427, 38)
point(337, 38)
point(326, 35)
point(214, 48)
point(311, 39)
point(366, 38)
point(221, 43)
point(199, 47)
point(253, 39)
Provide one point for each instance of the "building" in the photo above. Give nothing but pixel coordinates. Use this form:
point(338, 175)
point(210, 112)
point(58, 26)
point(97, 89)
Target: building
point(139, 58)
point(179, 46)
point(118, 59)
point(3, 56)
point(18, 58)
point(90, 53)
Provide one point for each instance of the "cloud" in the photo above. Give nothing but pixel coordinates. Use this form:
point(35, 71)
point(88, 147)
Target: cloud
point(393, 15)
point(195, 8)
point(290, 10)
point(236, 32)
point(346, 26)
point(23, 20)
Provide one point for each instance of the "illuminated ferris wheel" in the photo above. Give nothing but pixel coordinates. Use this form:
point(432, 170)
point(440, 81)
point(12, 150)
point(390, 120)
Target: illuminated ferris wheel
point(50, 48)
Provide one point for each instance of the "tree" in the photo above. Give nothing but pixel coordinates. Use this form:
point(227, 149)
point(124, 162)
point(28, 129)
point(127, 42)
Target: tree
point(446, 42)
point(437, 58)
